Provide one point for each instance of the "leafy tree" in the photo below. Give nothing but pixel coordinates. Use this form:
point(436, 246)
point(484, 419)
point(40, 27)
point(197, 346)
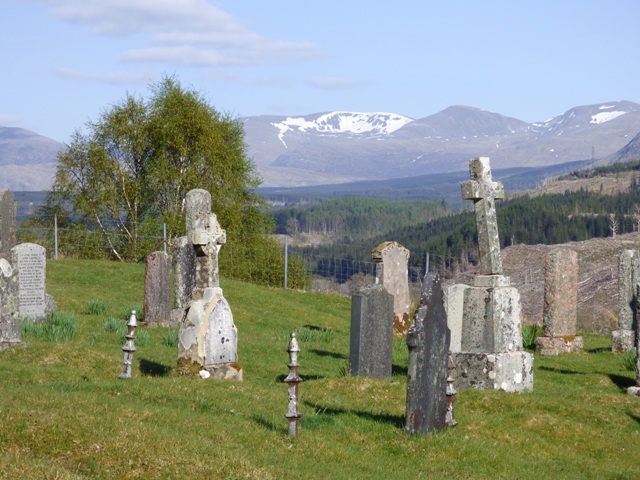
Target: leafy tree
point(130, 170)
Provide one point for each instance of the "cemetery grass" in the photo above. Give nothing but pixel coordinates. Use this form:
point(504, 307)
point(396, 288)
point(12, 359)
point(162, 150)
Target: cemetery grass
point(64, 413)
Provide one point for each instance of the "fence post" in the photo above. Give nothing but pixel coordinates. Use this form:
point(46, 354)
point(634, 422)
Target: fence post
point(55, 237)
point(164, 236)
point(286, 260)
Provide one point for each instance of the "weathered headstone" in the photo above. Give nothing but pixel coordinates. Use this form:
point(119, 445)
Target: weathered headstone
point(371, 339)
point(9, 304)
point(623, 339)
point(184, 267)
point(206, 235)
point(428, 341)
point(7, 222)
point(207, 338)
point(157, 288)
point(392, 272)
point(560, 313)
point(488, 354)
point(635, 389)
point(30, 261)
point(483, 191)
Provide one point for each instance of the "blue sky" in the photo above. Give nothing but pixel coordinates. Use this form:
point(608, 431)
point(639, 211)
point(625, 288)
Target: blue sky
point(65, 61)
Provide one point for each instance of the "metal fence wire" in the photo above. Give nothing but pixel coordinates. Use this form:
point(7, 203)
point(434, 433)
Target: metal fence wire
point(285, 268)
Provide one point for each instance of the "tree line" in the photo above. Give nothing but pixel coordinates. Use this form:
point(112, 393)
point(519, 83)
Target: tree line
point(356, 217)
point(451, 241)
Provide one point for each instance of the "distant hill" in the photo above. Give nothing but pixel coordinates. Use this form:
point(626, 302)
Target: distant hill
point(346, 147)
point(341, 147)
point(27, 160)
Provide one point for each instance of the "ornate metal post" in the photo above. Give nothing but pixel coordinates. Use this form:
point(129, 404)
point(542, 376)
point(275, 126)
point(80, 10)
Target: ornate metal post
point(451, 393)
point(128, 348)
point(292, 380)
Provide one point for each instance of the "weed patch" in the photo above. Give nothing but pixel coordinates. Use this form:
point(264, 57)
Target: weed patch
point(57, 327)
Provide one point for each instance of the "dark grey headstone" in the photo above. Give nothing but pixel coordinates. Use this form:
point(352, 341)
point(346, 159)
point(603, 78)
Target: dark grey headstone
point(184, 267)
point(371, 333)
point(157, 288)
point(428, 340)
point(7, 222)
point(30, 261)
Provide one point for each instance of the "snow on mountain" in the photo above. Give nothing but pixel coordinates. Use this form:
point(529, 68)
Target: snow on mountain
point(605, 116)
point(585, 116)
point(334, 123)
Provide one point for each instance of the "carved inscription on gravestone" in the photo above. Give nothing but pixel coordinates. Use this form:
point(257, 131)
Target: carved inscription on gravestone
point(30, 260)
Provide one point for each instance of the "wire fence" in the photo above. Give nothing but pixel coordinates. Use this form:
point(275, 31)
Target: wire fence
point(285, 268)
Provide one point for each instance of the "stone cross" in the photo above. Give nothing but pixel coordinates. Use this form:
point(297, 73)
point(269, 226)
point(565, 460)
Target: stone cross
point(483, 190)
point(207, 236)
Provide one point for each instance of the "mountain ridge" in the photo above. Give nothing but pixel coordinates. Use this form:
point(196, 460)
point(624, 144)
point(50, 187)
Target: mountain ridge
point(342, 147)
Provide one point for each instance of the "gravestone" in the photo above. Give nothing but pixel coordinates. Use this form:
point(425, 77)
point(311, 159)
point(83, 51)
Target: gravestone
point(484, 191)
point(9, 304)
point(184, 267)
point(560, 313)
point(392, 272)
point(30, 261)
point(208, 338)
point(157, 289)
point(196, 254)
point(623, 339)
point(635, 389)
point(206, 236)
point(486, 325)
point(7, 222)
point(428, 340)
point(371, 339)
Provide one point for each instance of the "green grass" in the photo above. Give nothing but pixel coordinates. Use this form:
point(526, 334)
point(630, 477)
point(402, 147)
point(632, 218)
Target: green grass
point(65, 414)
point(97, 307)
point(58, 327)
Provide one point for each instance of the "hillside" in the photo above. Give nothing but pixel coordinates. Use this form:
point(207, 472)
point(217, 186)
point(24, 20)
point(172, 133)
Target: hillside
point(65, 413)
point(344, 147)
point(598, 278)
point(27, 160)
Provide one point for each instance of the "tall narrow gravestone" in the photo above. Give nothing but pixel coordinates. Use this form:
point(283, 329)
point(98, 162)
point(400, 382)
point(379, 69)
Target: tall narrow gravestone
point(9, 320)
point(635, 389)
point(157, 288)
point(560, 313)
point(428, 340)
point(7, 222)
point(392, 272)
point(30, 261)
point(207, 337)
point(622, 339)
point(487, 351)
point(371, 340)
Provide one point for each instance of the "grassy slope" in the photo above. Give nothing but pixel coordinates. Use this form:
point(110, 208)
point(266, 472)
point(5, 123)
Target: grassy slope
point(64, 413)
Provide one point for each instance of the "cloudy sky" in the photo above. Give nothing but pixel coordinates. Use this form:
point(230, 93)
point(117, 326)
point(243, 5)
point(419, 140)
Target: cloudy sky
point(64, 61)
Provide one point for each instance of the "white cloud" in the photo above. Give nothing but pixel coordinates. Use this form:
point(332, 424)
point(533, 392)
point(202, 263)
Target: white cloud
point(182, 32)
point(111, 78)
